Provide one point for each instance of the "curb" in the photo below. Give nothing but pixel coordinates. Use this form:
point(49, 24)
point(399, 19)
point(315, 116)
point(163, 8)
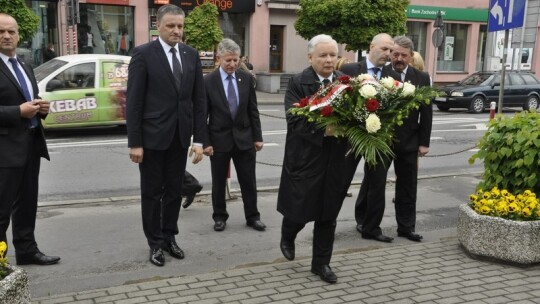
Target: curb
point(105, 200)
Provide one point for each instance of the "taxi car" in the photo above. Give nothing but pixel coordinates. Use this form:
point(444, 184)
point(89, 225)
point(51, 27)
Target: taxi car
point(475, 92)
point(84, 90)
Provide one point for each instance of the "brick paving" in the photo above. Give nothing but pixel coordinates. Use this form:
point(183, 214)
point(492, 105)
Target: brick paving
point(435, 272)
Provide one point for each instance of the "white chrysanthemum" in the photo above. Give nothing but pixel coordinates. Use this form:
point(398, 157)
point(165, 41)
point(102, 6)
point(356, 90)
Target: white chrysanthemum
point(373, 123)
point(360, 78)
point(367, 91)
point(388, 82)
point(408, 89)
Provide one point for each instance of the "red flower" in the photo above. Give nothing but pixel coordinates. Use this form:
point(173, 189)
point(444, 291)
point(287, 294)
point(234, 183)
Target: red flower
point(345, 79)
point(303, 102)
point(327, 111)
point(349, 89)
point(372, 105)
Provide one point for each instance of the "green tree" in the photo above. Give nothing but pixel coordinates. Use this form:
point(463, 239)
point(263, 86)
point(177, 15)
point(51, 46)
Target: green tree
point(26, 18)
point(352, 22)
point(202, 30)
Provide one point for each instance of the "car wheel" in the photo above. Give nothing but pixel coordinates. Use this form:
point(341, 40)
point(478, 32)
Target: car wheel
point(531, 104)
point(478, 104)
point(443, 108)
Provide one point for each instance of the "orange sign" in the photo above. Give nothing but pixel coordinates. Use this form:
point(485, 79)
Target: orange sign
point(161, 1)
point(117, 2)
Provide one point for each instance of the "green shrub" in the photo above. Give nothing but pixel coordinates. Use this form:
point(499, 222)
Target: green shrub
point(510, 150)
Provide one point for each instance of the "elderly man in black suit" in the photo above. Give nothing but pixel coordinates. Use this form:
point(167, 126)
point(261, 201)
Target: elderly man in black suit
point(165, 106)
point(22, 144)
point(317, 170)
point(234, 132)
point(411, 141)
point(370, 204)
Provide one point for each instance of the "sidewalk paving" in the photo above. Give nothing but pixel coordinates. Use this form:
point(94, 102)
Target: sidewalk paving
point(435, 272)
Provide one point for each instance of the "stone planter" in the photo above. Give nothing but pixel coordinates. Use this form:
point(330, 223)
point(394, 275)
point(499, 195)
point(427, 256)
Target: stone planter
point(492, 237)
point(14, 287)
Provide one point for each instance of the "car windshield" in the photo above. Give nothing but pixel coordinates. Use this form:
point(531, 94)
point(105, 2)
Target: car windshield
point(47, 68)
point(476, 79)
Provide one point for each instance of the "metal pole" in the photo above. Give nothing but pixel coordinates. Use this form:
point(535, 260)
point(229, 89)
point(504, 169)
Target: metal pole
point(435, 63)
point(503, 71)
point(522, 36)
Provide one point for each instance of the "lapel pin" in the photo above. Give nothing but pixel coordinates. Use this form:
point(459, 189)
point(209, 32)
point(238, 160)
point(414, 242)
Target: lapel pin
point(239, 80)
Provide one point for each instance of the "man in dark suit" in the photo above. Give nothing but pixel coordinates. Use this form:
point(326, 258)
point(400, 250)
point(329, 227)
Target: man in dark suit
point(234, 132)
point(317, 170)
point(22, 144)
point(370, 204)
point(411, 141)
point(165, 106)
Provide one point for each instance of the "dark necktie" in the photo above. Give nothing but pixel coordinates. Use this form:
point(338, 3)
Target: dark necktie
point(376, 72)
point(231, 96)
point(24, 87)
point(176, 68)
point(326, 81)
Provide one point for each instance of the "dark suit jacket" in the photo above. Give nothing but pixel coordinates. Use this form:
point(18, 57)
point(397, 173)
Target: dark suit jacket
point(356, 68)
point(416, 129)
point(13, 135)
point(155, 107)
point(223, 132)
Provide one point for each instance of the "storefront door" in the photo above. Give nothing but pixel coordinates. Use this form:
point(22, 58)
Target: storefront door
point(276, 48)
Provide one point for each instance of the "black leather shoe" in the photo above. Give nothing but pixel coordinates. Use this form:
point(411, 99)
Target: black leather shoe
point(411, 236)
point(257, 225)
point(173, 249)
point(189, 199)
point(37, 258)
point(359, 228)
point(156, 257)
point(379, 237)
point(287, 248)
point(219, 226)
point(325, 272)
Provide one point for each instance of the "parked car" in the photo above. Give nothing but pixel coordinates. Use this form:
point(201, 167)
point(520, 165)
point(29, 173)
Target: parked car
point(84, 90)
point(521, 89)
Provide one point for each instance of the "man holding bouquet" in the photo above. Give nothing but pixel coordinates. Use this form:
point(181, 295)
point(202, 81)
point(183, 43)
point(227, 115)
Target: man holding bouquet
point(317, 170)
point(369, 207)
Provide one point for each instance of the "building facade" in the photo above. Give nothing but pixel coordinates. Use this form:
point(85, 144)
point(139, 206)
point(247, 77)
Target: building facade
point(265, 31)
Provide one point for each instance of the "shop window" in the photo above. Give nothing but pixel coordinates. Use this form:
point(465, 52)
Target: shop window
point(452, 53)
point(417, 32)
point(105, 29)
point(482, 34)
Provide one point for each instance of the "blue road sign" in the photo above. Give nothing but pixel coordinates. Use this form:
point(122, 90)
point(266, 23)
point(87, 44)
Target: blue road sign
point(505, 14)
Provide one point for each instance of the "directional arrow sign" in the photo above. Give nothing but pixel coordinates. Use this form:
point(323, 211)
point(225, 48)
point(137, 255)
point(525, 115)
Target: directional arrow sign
point(505, 14)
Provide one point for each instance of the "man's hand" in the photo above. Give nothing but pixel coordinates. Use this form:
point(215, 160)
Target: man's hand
point(198, 150)
point(136, 155)
point(209, 151)
point(44, 106)
point(259, 145)
point(422, 151)
point(329, 131)
point(29, 109)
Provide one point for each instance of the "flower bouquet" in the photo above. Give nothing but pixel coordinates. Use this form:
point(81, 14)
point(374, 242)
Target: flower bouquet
point(4, 270)
point(364, 110)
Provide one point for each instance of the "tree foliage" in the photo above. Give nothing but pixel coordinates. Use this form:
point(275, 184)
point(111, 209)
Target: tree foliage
point(27, 20)
point(202, 30)
point(351, 22)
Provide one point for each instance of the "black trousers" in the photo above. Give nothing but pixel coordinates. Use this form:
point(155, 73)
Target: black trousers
point(162, 173)
point(18, 201)
point(190, 185)
point(323, 238)
point(244, 162)
point(370, 204)
point(406, 167)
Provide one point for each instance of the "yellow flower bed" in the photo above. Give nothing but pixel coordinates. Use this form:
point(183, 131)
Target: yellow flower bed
point(503, 204)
